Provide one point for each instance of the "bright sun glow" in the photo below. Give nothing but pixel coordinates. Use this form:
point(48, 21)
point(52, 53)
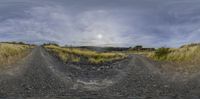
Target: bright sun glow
point(99, 36)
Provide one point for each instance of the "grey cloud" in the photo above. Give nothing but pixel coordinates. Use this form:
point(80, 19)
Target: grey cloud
point(152, 23)
point(56, 24)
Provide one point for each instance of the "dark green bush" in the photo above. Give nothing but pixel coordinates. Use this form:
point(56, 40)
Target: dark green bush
point(161, 52)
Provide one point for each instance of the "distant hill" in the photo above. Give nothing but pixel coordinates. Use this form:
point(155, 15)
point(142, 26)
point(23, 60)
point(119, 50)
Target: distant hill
point(104, 49)
point(107, 49)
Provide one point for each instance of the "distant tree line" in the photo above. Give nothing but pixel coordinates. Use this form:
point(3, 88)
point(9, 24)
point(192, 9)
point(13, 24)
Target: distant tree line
point(51, 44)
point(140, 48)
point(15, 42)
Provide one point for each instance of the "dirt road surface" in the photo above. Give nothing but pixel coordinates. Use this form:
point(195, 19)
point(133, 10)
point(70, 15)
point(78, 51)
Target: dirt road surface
point(41, 76)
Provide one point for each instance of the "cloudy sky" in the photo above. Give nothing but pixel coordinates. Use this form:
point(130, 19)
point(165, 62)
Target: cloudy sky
point(152, 23)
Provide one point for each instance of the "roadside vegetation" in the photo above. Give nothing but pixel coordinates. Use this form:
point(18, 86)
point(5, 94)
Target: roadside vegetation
point(11, 52)
point(78, 55)
point(183, 59)
point(188, 53)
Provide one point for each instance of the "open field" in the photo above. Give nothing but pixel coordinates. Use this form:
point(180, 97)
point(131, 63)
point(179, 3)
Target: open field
point(10, 53)
point(83, 55)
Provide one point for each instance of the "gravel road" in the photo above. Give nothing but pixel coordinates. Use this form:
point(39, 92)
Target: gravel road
point(41, 76)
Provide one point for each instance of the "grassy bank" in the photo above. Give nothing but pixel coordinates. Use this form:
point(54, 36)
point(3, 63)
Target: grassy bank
point(78, 55)
point(10, 53)
point(187, 53)
point(183, 59)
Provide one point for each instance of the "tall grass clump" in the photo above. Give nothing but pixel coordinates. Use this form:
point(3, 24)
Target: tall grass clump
point(78, 55)
point(10, 53)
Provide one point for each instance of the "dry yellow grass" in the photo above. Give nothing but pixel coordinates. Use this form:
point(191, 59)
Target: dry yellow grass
point(190, 54)
point(187, 53)
point(10, 53)
point(76, 55)
point(185, 59)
